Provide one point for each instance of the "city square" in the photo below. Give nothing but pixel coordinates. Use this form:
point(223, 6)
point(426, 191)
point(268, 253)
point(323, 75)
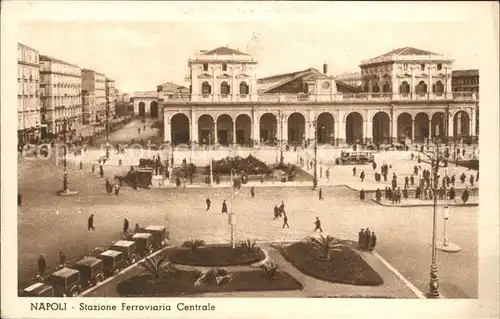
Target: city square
point(274, 175)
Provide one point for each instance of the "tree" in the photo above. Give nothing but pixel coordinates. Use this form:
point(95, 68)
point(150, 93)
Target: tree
point(193, 244)
point(157, 269)
point(325, 245)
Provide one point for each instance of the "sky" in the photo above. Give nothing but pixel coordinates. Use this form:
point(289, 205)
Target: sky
point(139, 55)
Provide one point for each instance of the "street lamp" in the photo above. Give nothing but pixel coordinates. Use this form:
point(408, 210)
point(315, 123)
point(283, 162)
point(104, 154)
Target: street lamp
point(315, 175)
point(172, 158)
point(281, 117)
point(65, 191)
point(434, 281)
point(446, 246)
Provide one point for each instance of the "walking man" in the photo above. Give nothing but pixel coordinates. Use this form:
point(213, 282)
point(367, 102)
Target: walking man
point(209, 202)
point(367, 238)
point(285, 221)
point(373, 241)
point(362, 176)
point(224, 207)
point(317, 224)
point(354, 171)
point(282, 208)
point(276, 212)
point(321, 194)
point(252, 191)
point(91, 222)
point(360, 237)
point(125, 226)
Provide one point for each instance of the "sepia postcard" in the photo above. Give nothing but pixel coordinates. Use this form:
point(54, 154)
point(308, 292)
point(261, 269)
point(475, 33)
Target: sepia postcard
point(249, 159)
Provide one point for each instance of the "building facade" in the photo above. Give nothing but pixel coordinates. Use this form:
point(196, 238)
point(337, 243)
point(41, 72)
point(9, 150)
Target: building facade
point(110, 97)
point(467, 81)
point(28, 94)
point(406, 95)
point(94, 105)
point(353, 78)
point(60, 96)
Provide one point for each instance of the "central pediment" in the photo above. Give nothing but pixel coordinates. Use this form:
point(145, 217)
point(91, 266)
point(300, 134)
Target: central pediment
point(223, 76)
point(204, 76)
point(242, 75)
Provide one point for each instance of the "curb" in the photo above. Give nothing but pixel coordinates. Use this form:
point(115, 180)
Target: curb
point(408, 284)
point(426, 205)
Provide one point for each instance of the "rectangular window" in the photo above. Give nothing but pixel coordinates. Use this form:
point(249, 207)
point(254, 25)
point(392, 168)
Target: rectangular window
point(439, 66)
point(224, 67)
point(405, 67)
point(205, 67)
point(422, 67)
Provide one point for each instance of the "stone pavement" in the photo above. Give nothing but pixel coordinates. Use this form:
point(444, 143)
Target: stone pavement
point(392, 287)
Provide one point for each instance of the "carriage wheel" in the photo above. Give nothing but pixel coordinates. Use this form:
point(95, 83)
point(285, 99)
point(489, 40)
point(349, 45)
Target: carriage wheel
point(99, 277)
point(74, 292)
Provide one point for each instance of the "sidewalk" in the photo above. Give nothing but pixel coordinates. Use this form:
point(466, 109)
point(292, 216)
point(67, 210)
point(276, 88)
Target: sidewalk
point(415, 202)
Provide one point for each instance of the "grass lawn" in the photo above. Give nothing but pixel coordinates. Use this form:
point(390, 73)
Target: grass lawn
point(182, 283)
point(217, 255)
point(345, 267)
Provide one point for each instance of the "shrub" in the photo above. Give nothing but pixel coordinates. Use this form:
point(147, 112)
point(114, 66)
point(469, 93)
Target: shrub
point(248, 245)
point(157, 269)
point(270, 269)
point(248, 165)
point(193, 244)
point(324, 245)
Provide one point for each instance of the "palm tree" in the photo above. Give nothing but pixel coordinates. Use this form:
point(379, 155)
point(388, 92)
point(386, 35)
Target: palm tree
point(325, 245)
point(157, 269)
point(194, 244)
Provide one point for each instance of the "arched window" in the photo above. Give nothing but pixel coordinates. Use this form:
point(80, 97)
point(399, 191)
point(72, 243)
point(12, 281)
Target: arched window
point(224, 88)
point(244, 89)
point(206, 88)
point(438, 87)
point(386, 88)
point(375, 88)
point(421, 88)
point(404, 88)
point(365, 87)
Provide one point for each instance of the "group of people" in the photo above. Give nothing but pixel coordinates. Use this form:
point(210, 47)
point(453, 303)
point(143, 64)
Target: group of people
point(280, 212)
point(110, 187)
point(367, 240)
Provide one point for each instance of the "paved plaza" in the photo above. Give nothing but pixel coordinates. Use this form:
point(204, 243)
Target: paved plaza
point(49, 223)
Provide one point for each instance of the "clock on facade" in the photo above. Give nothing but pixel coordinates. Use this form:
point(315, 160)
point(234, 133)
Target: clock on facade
point(326, 85)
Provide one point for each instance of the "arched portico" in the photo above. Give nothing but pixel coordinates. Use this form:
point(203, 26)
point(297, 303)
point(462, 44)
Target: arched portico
point(243, 125)
point(421, 126)
point(153, 109)
point(381, 128)
point(326, 128)
point(354, 128)
point(225, 130)
point(206, 130)
point(461, 124)
point(438, 126)
point(142, 109)
point(268, 125)
point(296, 125)
point(404, 126)
point(179, 129)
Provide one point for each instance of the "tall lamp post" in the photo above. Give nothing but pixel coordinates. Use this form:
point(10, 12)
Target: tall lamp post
point(65, 191)
point(315, 175)
point(434, 281)
point(281, 118)
point(173, 149)
point(446, 245)
point(107, 130)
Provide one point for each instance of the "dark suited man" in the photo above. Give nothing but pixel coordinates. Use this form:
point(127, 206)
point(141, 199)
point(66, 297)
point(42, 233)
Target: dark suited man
point(208, 203)
point(224, 207)
point(320, 193)
point(285, 221)
point(317, 224)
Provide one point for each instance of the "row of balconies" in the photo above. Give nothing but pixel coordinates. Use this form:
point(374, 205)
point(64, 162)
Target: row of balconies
point(315, 98)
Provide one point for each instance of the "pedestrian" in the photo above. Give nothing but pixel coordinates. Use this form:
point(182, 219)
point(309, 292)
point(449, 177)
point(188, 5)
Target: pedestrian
point(471, 179)
point(366, 238)
point(276, 212)
point(224, 207)
point(252, 191)
point(405, 193)
point(374, 166)
point(117, 189)
point(42, 265)
point(362, 176)
point(81, 165)
point(209, 202)
point(317, 224)
point(362, 195)
point(373, 241)
point(412, 180)
point(465, 195)
point(137, 228)
point(125, 225)
point(62, 258)
point(477, 176)
point(407, 182)
point(361, 235)
point(101, 171)
point(418, 192)
point(285, 221)
point(282, 208)
point(262, 179)
point(354, 171)
point(378, 195)
point(320, 193)
point(91, 222)
point(108, 187)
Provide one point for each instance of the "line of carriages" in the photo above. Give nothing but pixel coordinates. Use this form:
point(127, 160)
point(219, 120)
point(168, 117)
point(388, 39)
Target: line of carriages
point(78, 276)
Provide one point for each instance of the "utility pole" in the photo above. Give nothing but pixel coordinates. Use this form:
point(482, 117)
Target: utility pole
point(315, 176)
point(281, 118)
point(210, 158)
point(232, 219)
point(434, 281)
point(107, 129)
point(65, 191)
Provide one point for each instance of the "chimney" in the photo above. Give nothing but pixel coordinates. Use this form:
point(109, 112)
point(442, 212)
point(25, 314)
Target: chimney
point(325, 68)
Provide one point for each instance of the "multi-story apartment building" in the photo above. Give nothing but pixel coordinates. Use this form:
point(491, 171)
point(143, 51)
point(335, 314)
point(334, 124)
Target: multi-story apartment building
point(406, 96)
point(110, 97)
point(94, 103)
point(60, 96)
point(28, 95)
point(467, 81)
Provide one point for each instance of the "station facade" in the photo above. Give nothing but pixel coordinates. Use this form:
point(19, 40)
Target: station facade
point(405, 95)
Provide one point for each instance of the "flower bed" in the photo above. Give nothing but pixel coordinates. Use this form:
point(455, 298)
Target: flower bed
point(182, 283)
point(217, 256)
point(345, 266)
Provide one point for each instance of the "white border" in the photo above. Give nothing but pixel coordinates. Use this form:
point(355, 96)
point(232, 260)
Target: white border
point(483, 14)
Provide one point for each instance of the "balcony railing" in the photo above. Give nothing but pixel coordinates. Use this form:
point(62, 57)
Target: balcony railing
point(318, 98)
